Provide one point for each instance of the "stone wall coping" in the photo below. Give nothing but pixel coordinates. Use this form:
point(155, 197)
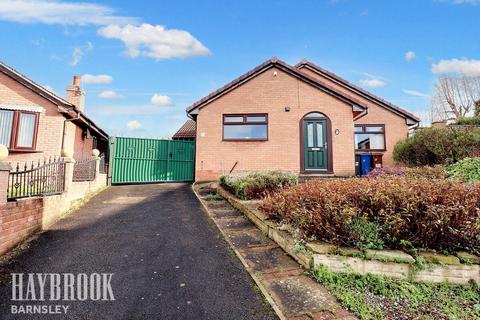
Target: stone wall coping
point(458, 269)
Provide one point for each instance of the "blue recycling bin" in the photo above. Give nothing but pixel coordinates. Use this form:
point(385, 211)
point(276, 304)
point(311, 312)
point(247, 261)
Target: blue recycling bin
point(366, 160)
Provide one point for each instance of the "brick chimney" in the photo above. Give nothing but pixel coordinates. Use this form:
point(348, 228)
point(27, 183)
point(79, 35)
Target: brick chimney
point(75, 94)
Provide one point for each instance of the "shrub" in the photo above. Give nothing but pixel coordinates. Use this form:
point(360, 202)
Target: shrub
point(469, 121)
point(256, 184)
point(467, 170)
point(424, 213)
point(433, 146)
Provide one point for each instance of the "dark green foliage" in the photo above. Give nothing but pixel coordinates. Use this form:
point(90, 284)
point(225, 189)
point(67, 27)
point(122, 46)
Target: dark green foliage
point(469, 121)
point(425, 213)
point(254, 185)
point(433, 146)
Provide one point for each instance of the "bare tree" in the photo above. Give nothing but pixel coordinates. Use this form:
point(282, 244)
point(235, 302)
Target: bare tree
point(454, 97)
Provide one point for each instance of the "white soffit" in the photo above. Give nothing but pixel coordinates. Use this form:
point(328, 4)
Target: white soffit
point(21, 108)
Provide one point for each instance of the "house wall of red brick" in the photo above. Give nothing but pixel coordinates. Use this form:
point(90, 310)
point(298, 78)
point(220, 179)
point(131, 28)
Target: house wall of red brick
point(50, 126)
point(270, 94)
point(396, 128)
point(83, 146)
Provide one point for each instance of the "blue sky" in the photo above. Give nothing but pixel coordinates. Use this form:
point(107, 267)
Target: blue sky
point(149, 60)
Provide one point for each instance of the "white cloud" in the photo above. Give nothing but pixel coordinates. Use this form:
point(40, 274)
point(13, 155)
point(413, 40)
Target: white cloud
point(415, 93)
point(134, 125)
point(96, 79)
point(410, 56)
point(161, 101)
point(473, 2)
point(109, 94)
point(56, 12)
point(373, 83)
point(155, 41)
point(78, 53)
point(469, 68)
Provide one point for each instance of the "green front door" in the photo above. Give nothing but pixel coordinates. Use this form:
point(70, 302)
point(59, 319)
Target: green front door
point(315, 144)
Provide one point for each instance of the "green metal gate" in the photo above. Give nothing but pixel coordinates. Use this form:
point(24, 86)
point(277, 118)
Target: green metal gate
point(138, 160)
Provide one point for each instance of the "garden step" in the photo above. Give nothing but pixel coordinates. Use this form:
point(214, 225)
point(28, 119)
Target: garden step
point(219, 213)
point(235, 223)
point(299, 295)
point(269, 259)
point(218, 205)
point(249, 238)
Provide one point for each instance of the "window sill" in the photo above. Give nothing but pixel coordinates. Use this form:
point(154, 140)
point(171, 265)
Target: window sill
point(370, 150)
point(23, 151)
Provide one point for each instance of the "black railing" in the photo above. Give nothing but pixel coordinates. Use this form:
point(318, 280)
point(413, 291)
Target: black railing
point(84, 170)
point(41, 179)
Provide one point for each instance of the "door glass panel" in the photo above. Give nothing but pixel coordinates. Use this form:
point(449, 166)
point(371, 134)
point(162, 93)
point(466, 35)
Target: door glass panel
point(310, 135)
point(320, 135)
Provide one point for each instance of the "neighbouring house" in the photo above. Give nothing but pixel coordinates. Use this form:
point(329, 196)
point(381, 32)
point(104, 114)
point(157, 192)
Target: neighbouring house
point(186, 131)
point(35, 123)
point(299, 118)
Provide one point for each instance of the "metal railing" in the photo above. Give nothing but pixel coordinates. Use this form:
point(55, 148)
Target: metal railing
point(42, 179)
point(84, 170)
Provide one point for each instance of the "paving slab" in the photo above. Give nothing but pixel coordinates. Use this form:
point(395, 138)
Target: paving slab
point(218, 205)
point(222, 213)
point(249, 238)
point(235, 223)
point(299, 295)
point(261, 259)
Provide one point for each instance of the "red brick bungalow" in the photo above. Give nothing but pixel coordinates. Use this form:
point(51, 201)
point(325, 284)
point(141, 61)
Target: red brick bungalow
point(298, 118)
point(35, 123)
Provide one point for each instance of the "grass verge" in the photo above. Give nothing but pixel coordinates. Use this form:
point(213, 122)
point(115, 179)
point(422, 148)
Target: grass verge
point(375, 297)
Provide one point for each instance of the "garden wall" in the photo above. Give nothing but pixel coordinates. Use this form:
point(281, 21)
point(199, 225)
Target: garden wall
point(23, 217)
point(391, 263)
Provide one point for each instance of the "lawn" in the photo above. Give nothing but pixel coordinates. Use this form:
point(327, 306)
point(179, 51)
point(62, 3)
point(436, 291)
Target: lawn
point(374, 297)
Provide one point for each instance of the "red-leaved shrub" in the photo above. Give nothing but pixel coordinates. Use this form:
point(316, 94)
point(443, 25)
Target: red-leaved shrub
point(423, 213)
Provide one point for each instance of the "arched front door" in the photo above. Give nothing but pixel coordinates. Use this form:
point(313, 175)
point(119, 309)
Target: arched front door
point(315, 142)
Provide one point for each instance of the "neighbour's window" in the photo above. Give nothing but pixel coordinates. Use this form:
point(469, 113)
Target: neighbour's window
point(18, 129)
point(245, 127)
point(370, 137)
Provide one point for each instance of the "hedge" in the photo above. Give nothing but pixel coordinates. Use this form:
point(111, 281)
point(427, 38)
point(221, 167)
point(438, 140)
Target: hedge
point(394, 212)
point(256, 184)
point(466, 170)
point(431, 146)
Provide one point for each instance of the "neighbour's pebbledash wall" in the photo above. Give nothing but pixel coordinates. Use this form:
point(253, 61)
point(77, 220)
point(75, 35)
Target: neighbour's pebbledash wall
point(270, 94)
point(396, 128)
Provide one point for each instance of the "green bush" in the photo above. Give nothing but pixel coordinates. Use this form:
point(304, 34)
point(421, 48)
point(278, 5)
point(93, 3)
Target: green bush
point(431, 146)
point(469, 121)
point(467, 170)
point(256, 184)
point(435, 214)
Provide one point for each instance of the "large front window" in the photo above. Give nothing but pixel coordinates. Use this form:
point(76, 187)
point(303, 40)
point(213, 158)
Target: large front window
point(245, 127)
point(370, 137)
point(18, 129)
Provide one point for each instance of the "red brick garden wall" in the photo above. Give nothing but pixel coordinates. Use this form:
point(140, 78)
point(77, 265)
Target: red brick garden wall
point(18, 220)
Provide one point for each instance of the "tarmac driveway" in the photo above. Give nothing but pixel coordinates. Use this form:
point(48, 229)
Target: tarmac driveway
point(168, 259)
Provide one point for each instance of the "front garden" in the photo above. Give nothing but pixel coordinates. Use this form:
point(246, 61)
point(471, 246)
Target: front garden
point(429, 209)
